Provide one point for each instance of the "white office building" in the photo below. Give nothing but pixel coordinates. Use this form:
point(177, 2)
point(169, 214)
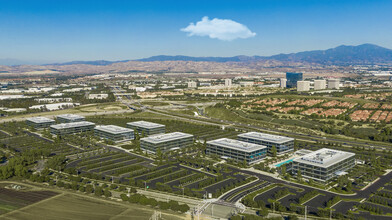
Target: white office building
point(192, 84)
point(114, 133)
point(283, 83)
point(40, 122)
point(320, 84)
point(283, 144)
point(333, 83)
point(228, 82)
point(303, 86)
point(66, 118)
point(166, 142)
point(237, 150)
point(324, 164)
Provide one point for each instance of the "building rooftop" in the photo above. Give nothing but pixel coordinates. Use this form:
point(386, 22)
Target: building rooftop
point(324, 157)
point(113, 129)
point(159, 138)
point(72, 125)
point(266, 137)
point(236, 145)
point(40, 120)
point(145, 124)
point(70, 116)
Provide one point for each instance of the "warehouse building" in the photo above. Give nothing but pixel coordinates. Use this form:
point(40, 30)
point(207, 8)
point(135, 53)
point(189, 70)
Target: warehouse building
point(71, 128)
point(114, 133)
point(148, 128)
point(237, 150)
point(324, 164)
point(283, 144)
point(67, 118)
point(40, 122)
point(166, 142)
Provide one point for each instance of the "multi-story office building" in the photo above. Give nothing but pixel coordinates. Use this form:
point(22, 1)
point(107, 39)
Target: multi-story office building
point(283, 144)
point(303, 86)
point(333, 83)
point(324, 164)
point(67, 118)
point(320, 84)
point(227, 82)
point(166, 142)
point(40, 122)
point(148, 128)
point(283, 83)
point(237, 150)
point(293, 78)
point(114, 133)
point(192, 84)
point(71, 128)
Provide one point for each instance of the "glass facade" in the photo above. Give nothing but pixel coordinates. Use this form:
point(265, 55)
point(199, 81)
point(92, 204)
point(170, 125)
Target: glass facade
point(292, 79)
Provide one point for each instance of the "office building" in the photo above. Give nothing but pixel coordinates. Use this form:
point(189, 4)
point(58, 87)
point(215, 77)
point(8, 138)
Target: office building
point(324, 164)
point(192, 84)
point(71, 128)
point(166, 142)
point(333, 83)
point(237, 150)
point(320, 84)
point(67, 118)
point(114, 133)
point(292, 79)
point(283, 144)
point(303, 86)
point(40, 122)
point(148, 128)
point(283, 83)
point(228, 82)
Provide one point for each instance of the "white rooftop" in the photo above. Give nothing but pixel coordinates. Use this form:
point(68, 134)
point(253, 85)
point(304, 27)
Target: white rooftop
point(113, 129)
point(70, 116)
point(266, 137)
point(237, 145)
point(72, 125)
point(40, 120)
point(159, 138)
point(145, 124)
point(324, 157)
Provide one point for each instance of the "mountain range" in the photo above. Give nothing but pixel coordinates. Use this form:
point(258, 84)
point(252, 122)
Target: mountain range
point(341, 55)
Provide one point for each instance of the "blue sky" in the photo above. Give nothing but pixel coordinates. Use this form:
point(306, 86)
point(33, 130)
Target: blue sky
point(65, 30)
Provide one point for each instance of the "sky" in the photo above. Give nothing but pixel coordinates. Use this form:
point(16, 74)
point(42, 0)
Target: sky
point(67, 30)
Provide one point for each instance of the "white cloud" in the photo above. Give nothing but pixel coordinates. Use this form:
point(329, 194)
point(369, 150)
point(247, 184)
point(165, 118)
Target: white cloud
point(222, 29)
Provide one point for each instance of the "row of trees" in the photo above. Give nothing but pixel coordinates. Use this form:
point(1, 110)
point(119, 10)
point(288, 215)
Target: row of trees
point(143, 200)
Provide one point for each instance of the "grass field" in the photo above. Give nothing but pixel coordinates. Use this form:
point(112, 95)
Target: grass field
point(71, 206)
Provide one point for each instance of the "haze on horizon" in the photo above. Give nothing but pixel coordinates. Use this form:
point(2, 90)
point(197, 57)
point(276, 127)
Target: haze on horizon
point(52, 31)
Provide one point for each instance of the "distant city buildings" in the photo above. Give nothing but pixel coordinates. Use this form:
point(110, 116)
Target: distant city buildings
point(293, 78)
point(228, 82)
point(148, 128)
point(283, 83)
point(166, 142)
point(333, 83)
point(303, 86)
point(192, 84)
point(320, 84)
point(98, 96)
point(239, 151)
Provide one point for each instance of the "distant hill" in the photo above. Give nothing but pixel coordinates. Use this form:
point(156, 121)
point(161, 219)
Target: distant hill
point(361, 54)
point(95, 62)
point(341, 55)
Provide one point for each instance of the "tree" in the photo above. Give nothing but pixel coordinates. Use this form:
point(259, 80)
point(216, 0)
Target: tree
point(107, 193)
point(124, 197)
point(299, 175)
point(273, 151)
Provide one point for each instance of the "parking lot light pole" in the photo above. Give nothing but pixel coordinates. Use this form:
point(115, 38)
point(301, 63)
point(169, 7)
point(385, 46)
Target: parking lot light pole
point(305, 212)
